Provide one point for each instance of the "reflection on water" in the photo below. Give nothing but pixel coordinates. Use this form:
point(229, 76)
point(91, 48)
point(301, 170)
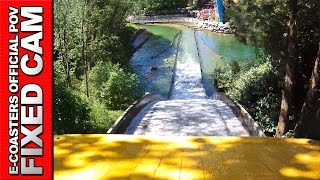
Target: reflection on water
point(214, 48)
point(227, 46)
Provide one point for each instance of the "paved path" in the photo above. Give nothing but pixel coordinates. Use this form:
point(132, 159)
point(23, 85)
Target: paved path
point(118, 157)
point(188, 112)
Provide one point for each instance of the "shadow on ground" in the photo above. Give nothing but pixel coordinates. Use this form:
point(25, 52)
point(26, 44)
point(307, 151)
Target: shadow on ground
point(192, 117)
point(151, 157)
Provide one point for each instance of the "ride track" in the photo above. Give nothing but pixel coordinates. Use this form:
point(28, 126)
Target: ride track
point(178, 141)
point(188, 111)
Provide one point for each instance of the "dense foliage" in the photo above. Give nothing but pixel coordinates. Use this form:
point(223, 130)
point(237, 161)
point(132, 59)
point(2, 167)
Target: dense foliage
point(71, 113)
point(289, 31)
point(160, 7)
point(256, 87)
point(93, 81)
point(115, 87)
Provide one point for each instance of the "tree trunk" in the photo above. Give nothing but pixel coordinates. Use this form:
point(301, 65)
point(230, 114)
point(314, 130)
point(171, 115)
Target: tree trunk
point(60, 41)
point(84, 57)
point(309, 124)
point(287, 100)
point(63, 50)
point(66, 54)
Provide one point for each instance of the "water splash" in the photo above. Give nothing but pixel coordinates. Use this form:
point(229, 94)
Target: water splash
point(188, 80)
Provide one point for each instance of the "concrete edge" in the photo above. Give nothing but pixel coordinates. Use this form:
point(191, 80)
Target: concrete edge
point(125, 119)
point(137, 33)
point(198, 55)
point(252, 126)
point(174, 66)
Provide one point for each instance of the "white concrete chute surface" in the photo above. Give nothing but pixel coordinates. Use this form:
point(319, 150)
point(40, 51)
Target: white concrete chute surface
point(197, 117)
point(188, 112)
point(187, 81)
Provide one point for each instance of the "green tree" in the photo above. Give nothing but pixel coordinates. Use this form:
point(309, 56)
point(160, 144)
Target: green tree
point(154, 7)
point(88, 33)
point(70, 112)
point(288, 31)
point(116, 88)
point(289, 82)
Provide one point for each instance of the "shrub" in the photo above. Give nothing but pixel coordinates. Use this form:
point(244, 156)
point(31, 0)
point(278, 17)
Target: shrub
point(116, 88)
point(70, 112)
point(74, 112)
point(101, 119)
point(223, 78)
point(258, 90)
point(255, 85)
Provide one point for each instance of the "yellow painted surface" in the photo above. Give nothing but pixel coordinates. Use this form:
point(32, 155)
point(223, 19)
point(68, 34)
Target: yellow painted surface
point(116, 157)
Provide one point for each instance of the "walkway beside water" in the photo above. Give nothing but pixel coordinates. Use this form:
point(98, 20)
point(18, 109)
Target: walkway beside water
point(188, 112)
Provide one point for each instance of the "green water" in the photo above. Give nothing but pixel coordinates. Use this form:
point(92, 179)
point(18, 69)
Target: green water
point(227, 46)
point(214, 50)
point(160, 32)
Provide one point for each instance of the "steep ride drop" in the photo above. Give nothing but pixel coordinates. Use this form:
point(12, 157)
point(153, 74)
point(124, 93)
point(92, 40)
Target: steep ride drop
point(187, 81)
point(188, 112)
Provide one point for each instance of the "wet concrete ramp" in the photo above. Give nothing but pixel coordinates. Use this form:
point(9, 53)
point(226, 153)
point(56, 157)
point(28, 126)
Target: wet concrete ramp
point(191, 117)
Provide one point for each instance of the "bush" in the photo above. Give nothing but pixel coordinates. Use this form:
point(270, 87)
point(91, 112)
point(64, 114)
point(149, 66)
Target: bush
point(70, 112)
point(116, 88)
point(224, 76)
point(101, 119)
point(258, 90)
point(74, 113)
point(256, 87)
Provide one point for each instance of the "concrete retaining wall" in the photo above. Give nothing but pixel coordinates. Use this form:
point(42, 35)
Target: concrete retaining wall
point(174, 66)
point(123, 121)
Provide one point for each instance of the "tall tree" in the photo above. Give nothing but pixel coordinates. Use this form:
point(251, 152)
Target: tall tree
point(84, 44)
point(287, 93)
point(62, 11)
point(289, 33)
point(309, 122)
